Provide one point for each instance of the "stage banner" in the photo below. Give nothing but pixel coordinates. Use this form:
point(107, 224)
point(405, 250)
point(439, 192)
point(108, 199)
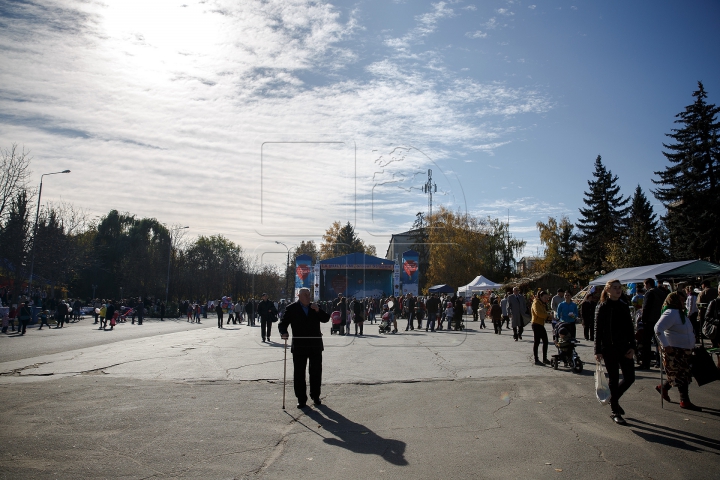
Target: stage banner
point(302, 273)
point(316, 282)
point(396, 279)
point(410, 274)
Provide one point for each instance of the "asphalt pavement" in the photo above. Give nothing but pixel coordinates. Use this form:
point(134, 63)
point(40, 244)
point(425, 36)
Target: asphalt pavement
point(173, 399)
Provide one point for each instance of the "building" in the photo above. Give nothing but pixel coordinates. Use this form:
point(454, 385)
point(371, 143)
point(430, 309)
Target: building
point(399, 243)
point(526, 264)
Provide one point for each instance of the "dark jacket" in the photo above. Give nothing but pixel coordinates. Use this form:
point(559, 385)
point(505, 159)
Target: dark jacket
point(587, 312)
point(305, 328)
point(267, 310)
point(475, 303)
point(652, 306)
point(614, 329)
point(109, 311)
point(433, 305)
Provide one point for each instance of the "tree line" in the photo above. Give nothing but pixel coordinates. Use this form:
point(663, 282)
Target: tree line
point(120, 254)
point(616, 231)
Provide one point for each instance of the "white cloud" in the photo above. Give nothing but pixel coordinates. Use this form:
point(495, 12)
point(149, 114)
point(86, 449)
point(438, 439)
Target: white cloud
point(532, 7)
point(166, 108)
point(470, 7)
point(476, 34)
point(504, 11)
point(426, 24)
point(492, 23)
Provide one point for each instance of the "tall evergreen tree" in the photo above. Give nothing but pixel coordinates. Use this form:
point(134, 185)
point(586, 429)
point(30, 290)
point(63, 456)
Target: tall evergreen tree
point(644, 245)
point(689, 187)
point(603, 222)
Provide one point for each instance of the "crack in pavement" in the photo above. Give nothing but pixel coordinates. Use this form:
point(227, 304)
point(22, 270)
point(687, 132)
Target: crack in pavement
point(17, 371)
point(601, 455)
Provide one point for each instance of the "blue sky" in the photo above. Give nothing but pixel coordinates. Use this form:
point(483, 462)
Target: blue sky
point(268, 120)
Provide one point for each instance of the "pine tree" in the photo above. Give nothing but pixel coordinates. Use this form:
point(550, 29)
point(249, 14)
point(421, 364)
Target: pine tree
point(603, 222)
point(689, 187)
point(644, 246)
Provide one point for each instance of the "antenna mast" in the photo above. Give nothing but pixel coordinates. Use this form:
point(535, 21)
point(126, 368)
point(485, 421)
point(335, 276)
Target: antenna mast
point(429, 188)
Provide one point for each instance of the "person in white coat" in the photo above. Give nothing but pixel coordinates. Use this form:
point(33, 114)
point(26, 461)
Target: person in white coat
point(677, 338)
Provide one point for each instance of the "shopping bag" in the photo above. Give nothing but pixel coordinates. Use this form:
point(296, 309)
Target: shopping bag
point(602, 389)
point(703, 368)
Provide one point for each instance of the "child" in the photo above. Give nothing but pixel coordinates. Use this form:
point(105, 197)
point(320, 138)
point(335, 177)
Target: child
point(44, 319)
point(449, 313)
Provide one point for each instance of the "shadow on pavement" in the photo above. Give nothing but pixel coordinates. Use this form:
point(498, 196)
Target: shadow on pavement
point(357, 438)
point(672, 437)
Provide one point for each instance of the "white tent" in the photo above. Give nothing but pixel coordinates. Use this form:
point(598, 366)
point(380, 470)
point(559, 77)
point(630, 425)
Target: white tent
point(479, 284)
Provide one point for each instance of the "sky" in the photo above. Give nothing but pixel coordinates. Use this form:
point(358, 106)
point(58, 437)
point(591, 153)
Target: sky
point(268, 120)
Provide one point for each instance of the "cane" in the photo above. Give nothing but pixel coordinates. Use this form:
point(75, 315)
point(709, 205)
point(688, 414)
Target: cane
point(284, 374)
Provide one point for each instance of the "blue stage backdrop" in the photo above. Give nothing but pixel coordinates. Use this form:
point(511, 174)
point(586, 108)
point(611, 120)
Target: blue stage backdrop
point(356, 275)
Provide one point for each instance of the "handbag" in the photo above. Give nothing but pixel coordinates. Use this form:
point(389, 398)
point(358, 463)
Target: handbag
point(602, 388)
point(703, 368)
point(527, 318)
point(710, 328)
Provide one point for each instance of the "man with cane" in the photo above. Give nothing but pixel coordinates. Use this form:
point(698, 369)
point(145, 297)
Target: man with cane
point(307, 345)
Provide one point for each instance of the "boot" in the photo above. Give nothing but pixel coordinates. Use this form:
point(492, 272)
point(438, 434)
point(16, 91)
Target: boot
point(664, 392)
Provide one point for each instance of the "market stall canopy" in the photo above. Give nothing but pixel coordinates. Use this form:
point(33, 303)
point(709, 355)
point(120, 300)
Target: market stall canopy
point(444, 288)
point(479, 284)
point(684, 270)
point(698, 268)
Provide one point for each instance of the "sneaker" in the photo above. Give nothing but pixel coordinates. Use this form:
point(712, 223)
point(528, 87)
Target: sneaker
point(301, 405)
point(663, 392)
point(688, 405)
point(538, 362)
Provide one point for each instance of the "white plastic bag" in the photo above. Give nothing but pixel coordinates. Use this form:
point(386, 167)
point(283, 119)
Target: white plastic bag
point(602, 389)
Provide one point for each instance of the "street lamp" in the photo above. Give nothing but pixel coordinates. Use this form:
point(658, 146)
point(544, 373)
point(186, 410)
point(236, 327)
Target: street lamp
point(167, 283)
point(287, 266)
point(94, 287)
point(37, 215)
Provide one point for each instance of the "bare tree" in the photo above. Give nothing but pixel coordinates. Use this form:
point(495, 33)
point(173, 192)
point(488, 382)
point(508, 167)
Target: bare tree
point(14, 173)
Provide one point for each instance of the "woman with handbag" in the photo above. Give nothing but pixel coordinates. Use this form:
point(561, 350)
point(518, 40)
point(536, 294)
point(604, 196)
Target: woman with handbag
point(615, 344)
point(675, 332)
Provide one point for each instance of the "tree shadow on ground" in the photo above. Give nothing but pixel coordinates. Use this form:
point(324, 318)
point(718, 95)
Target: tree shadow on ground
point(357, 438)
point(672, 437)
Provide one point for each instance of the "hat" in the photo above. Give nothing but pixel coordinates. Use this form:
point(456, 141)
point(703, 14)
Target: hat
point(264, 295)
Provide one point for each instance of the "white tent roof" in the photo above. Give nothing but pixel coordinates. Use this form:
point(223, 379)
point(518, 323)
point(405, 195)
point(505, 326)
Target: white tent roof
point(638, 274)
point(480, 284)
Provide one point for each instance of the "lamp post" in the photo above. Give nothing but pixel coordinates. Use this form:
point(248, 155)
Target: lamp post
point(94, 287)
point(167, 282)
point(287, 266)
point(37, 215)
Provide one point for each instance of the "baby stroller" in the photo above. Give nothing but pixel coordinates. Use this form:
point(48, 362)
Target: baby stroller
point(337, 324)
point(385, 325)
point(566, 350)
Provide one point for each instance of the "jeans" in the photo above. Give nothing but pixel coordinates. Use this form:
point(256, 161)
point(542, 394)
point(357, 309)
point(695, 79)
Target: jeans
point(431, 321)
point(411, 317)
point(589, 330)
point(540, 335)
point(615, 362)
